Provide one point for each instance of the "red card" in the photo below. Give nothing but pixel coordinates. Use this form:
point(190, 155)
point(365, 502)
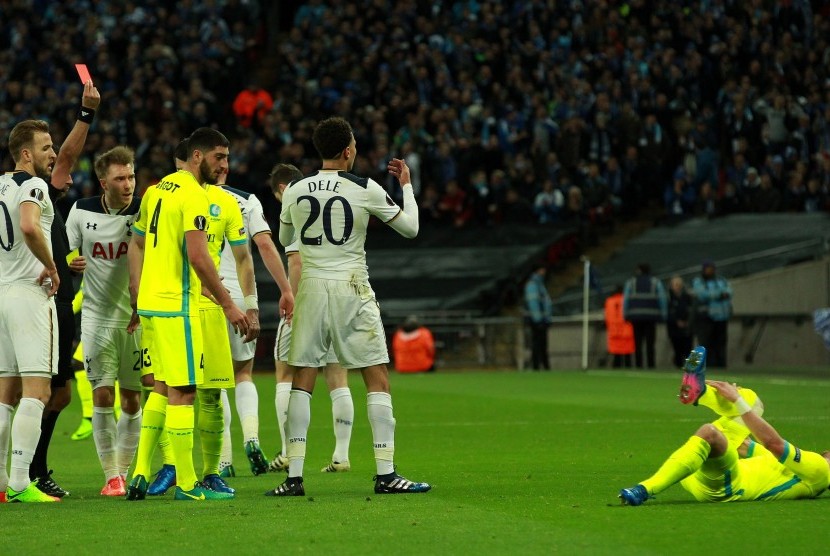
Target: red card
point(83, 73)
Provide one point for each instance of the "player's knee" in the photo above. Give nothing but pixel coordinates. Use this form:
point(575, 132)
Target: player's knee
point(130, 401)
point(210, 398)
point(59, 398)
point(711, 435)
point(148, 380)
point(41, 396)
point(243, 375)
point(103, 396)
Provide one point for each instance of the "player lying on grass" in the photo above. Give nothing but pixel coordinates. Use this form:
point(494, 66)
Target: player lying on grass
point(721, 463)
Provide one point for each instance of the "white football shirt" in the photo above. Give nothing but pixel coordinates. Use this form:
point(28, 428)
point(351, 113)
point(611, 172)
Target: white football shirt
point(255, 223)
point(330, 212)
point(17, 263)
point(103, 236)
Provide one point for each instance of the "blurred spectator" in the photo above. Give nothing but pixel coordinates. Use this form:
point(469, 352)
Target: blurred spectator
point(616, 183)
point(731, 201)
point(766, 198)
point(816, 198)
point(516, 209)
point(454, 208)
point(713, 302)
point(680, 196)
point(795, 194)
point(619, 332)
point(707, 203)
point(482, 199)
point(413, 347)
point(548, 203)
point(644, 305)
point(679, 321)
point(539, 311)
point(428, 211)
point(530, 89)
point(749, 187)
point(251, 105)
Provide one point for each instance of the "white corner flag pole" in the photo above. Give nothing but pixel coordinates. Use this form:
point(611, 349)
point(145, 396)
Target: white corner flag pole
point(586, 291)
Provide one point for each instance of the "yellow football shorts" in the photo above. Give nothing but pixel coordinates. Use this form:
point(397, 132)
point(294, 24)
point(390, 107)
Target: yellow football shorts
point(173, 349)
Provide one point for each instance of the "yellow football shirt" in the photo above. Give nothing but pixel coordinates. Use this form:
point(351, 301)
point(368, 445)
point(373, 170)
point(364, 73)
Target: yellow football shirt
point(176, 205)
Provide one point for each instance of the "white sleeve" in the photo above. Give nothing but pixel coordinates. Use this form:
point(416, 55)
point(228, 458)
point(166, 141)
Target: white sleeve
point(286, 233)
point(72, 229)
point(293, 247)
point(255, 217)
point(406, 221)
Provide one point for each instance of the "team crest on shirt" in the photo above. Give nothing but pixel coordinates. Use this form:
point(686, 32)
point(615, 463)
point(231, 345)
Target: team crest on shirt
point(36, 194)
point(215, 210)
point(200, 222)
point(242, 231)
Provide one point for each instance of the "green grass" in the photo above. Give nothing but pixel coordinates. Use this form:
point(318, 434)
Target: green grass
point(522, 463)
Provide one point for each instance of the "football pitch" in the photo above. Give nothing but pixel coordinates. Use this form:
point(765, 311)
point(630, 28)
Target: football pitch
point(520, 463)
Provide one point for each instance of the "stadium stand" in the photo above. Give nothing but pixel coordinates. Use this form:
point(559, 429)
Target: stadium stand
point(740, 244)
point(524, 113)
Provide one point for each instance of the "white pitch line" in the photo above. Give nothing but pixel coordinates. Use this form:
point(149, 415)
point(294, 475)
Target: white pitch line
point(824, 383)
point(594, 422)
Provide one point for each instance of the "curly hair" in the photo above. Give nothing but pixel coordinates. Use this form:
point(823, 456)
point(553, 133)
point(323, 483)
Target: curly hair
point(331, 137)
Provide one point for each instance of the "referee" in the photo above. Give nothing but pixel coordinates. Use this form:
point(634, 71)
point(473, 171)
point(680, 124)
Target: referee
point(61, 392)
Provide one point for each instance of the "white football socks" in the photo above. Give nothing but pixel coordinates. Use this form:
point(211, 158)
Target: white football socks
point(379, 408)
point(6, 412)
point(281, 403)
point(247, 406)
point(226, 458)
point(129, 431)
point(342, 412)
point(25, 436)
point(299, 417)
point(104, 433)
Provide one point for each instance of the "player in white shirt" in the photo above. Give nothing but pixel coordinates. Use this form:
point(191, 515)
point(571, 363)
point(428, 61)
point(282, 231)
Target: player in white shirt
point(335, 305)
point(342, 405)
point(247, 399)
point(101, 228)
point(28, 280)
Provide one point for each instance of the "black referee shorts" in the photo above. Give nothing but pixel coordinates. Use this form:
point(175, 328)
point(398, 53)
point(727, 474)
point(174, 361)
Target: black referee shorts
point(66, 338)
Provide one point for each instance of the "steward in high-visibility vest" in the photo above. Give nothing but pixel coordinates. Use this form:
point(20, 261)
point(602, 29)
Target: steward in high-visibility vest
point(619, 331)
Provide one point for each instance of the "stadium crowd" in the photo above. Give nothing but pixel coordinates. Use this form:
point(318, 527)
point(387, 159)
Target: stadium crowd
point(506, 111)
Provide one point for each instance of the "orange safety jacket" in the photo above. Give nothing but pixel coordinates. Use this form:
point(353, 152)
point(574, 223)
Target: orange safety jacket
point(620, 332)
point(414, 351)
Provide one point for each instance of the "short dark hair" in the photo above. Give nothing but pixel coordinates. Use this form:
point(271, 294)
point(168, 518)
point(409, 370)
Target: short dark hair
point(205, 139)
point(283, 173)
point(181, 151)
point(331, 137)
point(116, 155)
point(644, 268)
point(23, 134)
